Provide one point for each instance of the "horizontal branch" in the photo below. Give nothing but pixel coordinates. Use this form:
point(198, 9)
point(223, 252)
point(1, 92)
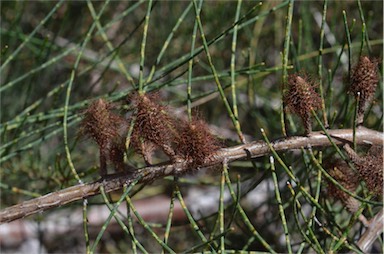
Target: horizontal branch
point(148, 174)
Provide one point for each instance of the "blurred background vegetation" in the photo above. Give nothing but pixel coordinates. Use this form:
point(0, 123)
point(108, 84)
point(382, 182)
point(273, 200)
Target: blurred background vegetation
point(56, 57)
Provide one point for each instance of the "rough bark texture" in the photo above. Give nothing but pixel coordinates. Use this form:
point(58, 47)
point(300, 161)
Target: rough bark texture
point(148, 174)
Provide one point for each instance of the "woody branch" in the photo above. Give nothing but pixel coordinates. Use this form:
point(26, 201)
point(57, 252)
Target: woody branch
point(246, 151)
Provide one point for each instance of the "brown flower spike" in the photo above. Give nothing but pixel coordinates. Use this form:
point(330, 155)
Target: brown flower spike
point(344, 175)
point(107, 129)
point(363, 81)
point(153, 127)
point(196, 142)
point(301, 98)
point(370, 167)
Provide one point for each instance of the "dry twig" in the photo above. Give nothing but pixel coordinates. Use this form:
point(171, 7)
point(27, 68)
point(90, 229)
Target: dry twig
point(148, 174)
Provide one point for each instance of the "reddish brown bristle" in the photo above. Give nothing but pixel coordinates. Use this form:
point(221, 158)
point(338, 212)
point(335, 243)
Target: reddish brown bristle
point(301, 98)
point(363, 82)
point(370, 167)
point(196, 143)
point(153, 126)
point(107, 130)
point(345, 176)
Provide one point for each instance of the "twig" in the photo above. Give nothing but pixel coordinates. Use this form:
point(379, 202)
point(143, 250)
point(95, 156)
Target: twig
point(149, 174)
point(374, 230)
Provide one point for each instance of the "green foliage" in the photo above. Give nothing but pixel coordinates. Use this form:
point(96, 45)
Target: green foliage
point(228, 59)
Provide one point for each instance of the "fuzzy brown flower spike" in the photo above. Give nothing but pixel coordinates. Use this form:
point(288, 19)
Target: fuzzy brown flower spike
point(196, 143)
point(153, 127)
point(363, 80)
point(301, 98)
point(107, 130)
point(370, 167)
point(344, 175)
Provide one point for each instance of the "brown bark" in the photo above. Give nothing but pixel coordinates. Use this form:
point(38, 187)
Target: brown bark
point(148, 174)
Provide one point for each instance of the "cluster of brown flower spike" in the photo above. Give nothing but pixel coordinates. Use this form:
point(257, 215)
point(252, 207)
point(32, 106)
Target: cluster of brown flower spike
point(369, 169)
point(154, 128)
point(301, 99)
point(179, 139)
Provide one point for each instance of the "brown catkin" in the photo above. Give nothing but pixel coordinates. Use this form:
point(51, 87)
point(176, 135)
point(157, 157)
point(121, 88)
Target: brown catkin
point(153, 126)
point(301, 98)
point(363, 81)
point(345, 176)
point(196, 143)
point(370, 167)
point(107, 129)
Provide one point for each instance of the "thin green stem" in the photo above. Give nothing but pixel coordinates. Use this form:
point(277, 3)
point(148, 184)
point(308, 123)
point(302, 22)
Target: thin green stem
point(329, 95)
point(213, 230)
point(285, 62)
point(69, 88)
point(235, 121)
point(300, 37)
point(122, 15)
point(329, 137)
point(131, 230)
point(363, 34)
point(113, 213)
point(128, 230)
point(287, 39)
point(37, 69)
point(190, 65)
point(343, 239)
point(337, 49)
point(233, 61)
point(85, 226)
point(130, 227)
point(169, 219)
point(320, 64)
point(147, 227)
point(25, 136)
point(30, 36)
point(142, 48)
point(190, 218)
point(282, 163)
point(167, 42)
point(366, 37)
point(19, 191)
point(243, 22)
point(317, 194)
point(198, 246)
point(101, 30)
point(349, 42)
point(290, 173)
point(313, 242)
point(355, 123)
point(38, 141)
point(280, 204)
point(221, 207)
point(244, 216)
